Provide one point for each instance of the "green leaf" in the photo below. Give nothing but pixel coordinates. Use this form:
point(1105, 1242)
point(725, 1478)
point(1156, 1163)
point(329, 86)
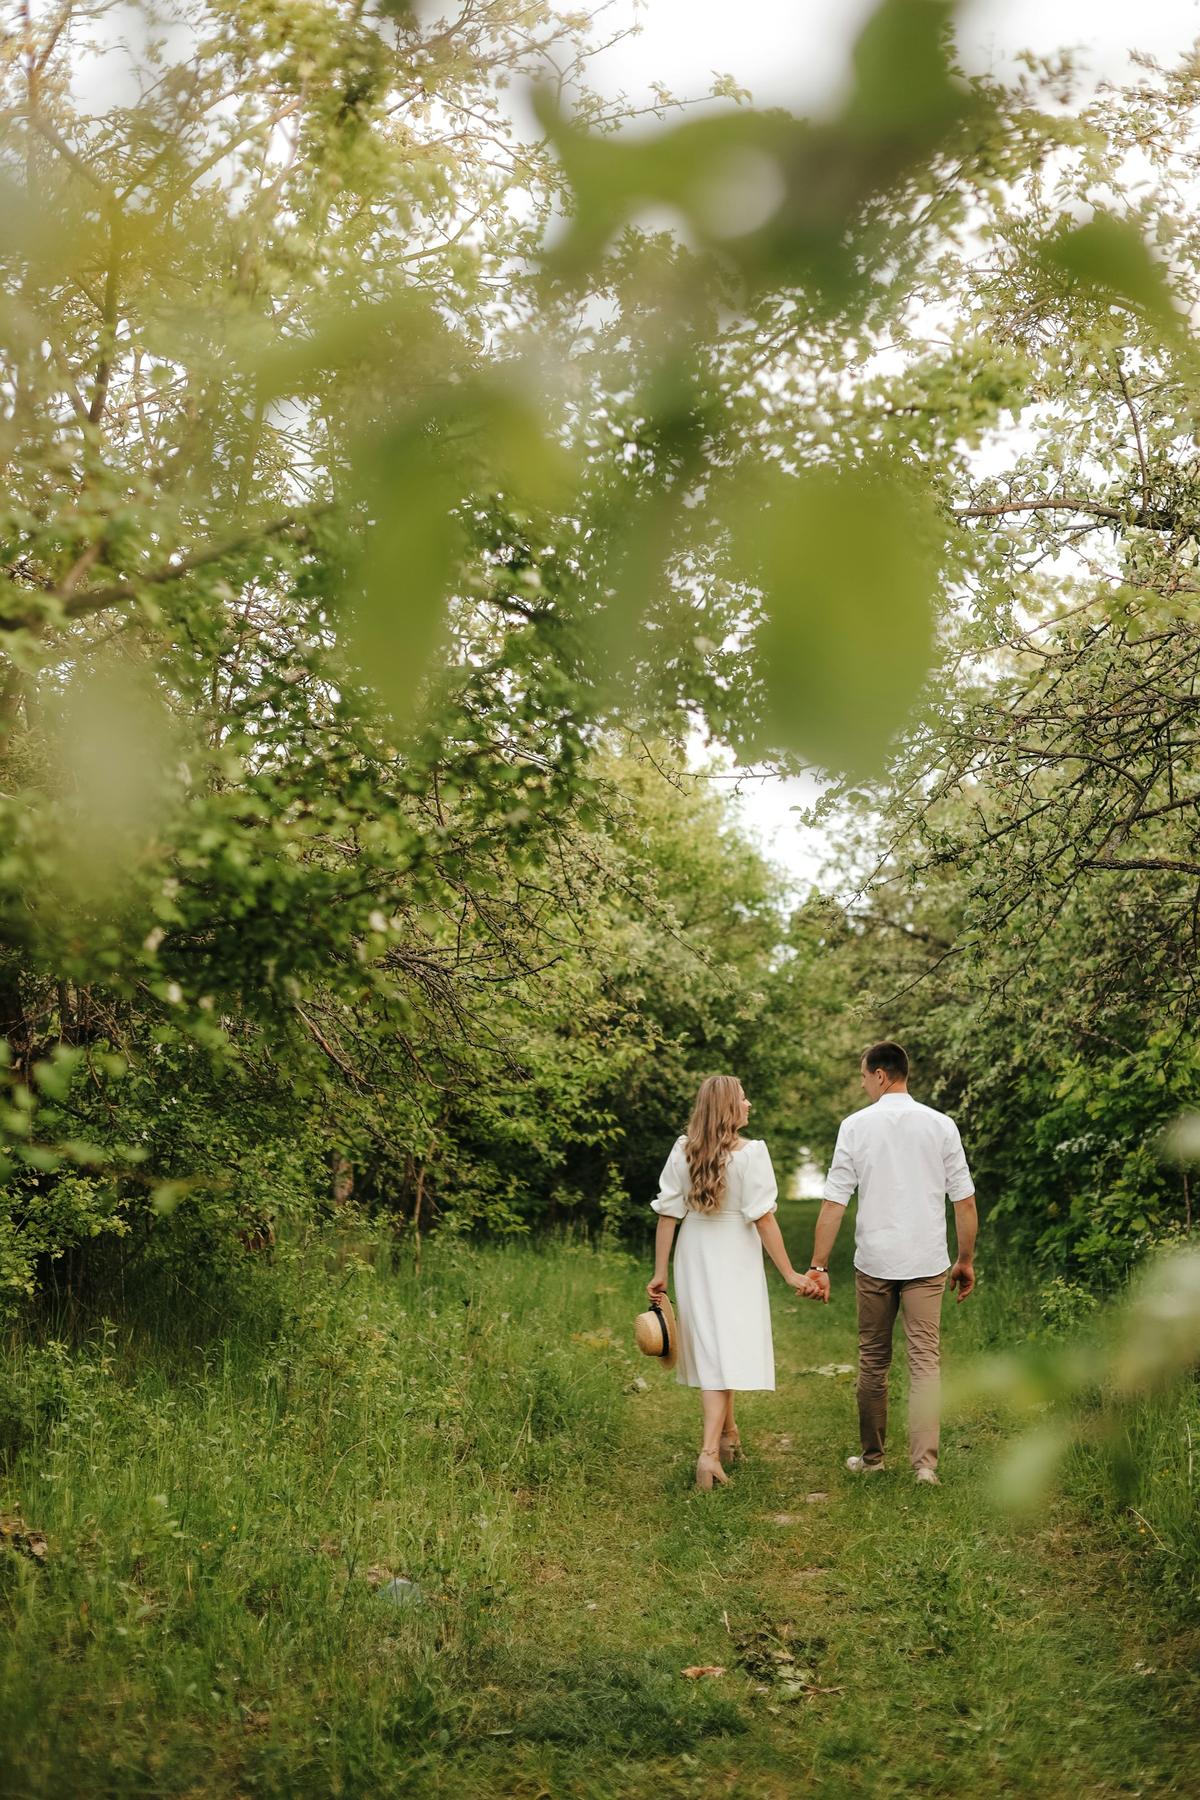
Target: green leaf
point(166, 1195)
point(902, 80)
point(86, 1154)
point(1109, 256)
point(117, 760)
point(772, 193)
point(54, 1077)
point(848, 578)
point(1182, 1140)
point(38, 1156)
point(346, 341)
point(411, 545)
point(1029, 1466)
point(416, 478)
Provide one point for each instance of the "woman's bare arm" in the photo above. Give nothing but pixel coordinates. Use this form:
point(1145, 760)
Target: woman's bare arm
point(772, 1241)
point(663, 1236)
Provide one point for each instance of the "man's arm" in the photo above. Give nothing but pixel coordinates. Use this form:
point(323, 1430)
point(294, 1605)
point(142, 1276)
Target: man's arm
point(966, 1224)
point(840, 1183)
point(961, 1189)
point(829, 1221)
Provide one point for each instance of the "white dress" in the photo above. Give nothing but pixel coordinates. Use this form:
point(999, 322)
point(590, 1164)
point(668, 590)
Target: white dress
point(723, 1313)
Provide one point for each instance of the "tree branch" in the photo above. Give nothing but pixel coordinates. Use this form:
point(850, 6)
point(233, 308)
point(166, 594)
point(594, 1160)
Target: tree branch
point(1166, 863)
point(1014, 506)
point(1137, 430)
point(98, 599)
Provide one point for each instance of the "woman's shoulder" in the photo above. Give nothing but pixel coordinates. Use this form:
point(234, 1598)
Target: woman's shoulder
point(752, 1144)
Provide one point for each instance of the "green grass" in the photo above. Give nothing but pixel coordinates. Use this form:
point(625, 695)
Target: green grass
point(205, 1621)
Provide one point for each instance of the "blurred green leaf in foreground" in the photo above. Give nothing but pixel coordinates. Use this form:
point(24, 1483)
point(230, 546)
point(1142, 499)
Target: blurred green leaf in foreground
point(856, 548)
point(1085, 1387)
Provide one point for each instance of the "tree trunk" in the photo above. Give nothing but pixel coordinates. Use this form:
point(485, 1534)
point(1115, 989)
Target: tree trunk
point(342, 1172)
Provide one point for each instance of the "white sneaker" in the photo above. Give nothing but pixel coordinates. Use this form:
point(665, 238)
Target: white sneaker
point(857, 1466)
point(928, 1477)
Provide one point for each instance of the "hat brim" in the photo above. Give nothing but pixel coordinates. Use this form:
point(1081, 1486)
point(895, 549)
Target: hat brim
point(659, 1319)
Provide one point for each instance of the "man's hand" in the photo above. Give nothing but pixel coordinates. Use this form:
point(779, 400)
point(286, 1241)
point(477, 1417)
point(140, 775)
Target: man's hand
point(820, 1282)
point(962, 1277)
point(829, 1222)
point(966, 1225)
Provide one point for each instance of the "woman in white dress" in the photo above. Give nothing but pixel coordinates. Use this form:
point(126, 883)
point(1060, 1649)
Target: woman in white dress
point(723, 1188)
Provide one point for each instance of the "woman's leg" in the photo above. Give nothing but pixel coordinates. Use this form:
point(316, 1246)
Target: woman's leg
point(731, 1442)
point(715, 1401)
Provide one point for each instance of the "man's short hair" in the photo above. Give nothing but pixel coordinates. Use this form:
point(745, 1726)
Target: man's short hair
point(891, 1058)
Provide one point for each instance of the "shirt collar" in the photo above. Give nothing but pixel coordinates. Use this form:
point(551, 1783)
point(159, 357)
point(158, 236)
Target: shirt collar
point(895, 1100)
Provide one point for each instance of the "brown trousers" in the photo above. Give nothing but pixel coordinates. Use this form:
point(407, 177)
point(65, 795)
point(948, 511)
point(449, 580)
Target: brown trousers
point(878, 1303)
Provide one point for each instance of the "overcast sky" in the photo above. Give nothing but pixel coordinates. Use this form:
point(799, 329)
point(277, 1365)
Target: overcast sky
point(795, 53)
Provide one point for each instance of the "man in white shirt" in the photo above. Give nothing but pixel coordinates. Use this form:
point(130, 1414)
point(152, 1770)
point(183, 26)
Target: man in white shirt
point(904, 1159)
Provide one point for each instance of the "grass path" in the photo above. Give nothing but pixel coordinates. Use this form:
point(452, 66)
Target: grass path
point(877, 1638)
point(209, 1616)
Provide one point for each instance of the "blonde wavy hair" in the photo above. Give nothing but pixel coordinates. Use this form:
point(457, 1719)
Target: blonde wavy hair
point(711, 1134)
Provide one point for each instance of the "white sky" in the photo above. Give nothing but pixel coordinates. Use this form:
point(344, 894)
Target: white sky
point(796, 53)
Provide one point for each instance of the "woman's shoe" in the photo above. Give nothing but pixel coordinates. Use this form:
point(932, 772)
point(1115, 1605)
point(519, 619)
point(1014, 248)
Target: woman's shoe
point(731, 1446)
point(708, 1470)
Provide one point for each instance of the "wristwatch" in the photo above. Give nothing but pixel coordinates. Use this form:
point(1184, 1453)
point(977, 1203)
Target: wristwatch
point(817, 1269)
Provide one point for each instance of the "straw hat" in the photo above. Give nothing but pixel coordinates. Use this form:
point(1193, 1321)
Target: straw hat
point(656, 1333)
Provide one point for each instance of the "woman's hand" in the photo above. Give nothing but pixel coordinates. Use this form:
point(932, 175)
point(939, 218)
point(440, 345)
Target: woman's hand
point(804, 1284)
point(657, 1289)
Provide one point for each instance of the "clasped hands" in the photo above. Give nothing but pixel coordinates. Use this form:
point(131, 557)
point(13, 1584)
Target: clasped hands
point(813, 1286)
point(809, 1287)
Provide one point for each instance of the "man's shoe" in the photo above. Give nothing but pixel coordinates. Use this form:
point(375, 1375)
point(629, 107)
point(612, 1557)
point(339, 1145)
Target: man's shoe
point(857, 1466)
point(928, 1478)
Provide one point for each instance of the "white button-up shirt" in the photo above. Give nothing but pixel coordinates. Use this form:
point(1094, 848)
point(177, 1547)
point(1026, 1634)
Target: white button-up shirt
point(904, 1159)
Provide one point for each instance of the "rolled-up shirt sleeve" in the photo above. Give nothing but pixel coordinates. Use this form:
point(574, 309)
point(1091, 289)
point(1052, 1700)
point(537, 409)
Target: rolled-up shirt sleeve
point(842, 1178)
point(959, 1185)
point(674, 1185)
point(760, 1190)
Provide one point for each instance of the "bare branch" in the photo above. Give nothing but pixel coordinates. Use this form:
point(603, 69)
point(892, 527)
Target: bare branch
point(1150, 863)
point(1094, 507)
point(1137, 430)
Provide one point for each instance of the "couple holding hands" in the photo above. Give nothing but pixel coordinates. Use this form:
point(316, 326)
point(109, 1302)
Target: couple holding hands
point(904, 1159)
